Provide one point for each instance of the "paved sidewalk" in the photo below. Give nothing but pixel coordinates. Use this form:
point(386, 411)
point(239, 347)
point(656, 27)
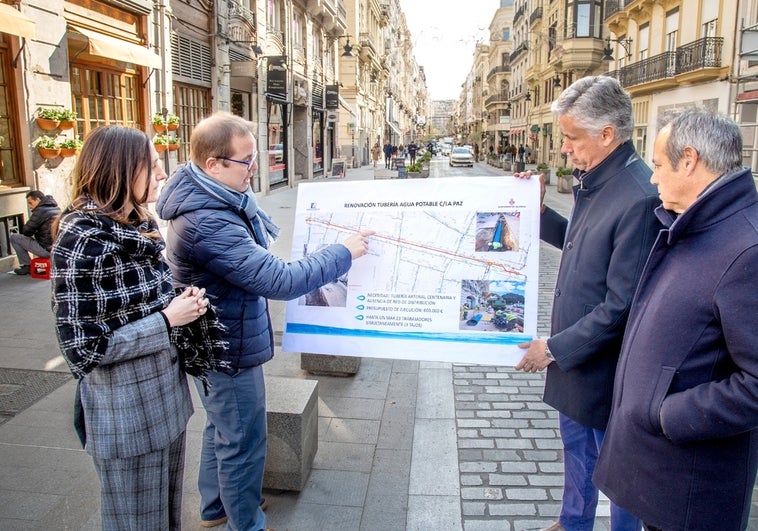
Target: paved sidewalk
point(402, 444)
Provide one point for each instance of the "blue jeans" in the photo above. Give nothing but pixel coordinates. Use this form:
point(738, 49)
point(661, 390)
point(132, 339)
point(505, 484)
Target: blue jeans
point(234, 449)
point(581, 446)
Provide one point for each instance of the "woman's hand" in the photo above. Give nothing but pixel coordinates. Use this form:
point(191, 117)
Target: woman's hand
point(357, 244)
point(186, 307)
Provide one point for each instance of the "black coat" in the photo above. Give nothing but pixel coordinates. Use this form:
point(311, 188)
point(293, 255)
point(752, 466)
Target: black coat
point(41, 221)
point(681, 449)
point(613, 227)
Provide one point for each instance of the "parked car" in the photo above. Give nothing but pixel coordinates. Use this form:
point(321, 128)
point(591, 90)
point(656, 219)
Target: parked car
point(461, 156)
point(277, 150)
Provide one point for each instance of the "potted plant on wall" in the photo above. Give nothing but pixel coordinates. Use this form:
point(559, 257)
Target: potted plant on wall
point(173, 142)
point(47, 147)
point(70, 147)
point(161, 143)
point(48, 119)
point(159, 123)
point(172, 122)
point(67, 118)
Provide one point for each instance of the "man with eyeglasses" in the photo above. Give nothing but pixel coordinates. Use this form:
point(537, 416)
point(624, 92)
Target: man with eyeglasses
point(218, 238)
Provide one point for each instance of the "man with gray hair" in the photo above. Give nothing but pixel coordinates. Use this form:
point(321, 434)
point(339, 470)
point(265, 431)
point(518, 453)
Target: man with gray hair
point(605, 244)
point(681, 448)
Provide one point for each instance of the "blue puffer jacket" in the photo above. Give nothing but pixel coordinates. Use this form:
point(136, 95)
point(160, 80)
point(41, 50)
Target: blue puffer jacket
point(209, 244)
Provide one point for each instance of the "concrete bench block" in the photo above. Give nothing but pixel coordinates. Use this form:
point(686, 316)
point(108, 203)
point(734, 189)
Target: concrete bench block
point(292, 420)
point(329, 365)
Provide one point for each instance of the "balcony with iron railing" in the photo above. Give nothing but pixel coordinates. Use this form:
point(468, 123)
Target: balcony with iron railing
point(701, 54)
point(535, 16)
point(498, 70)
point(616, 6)
point(518, 14)
point(236, 10)
point(499, 97)
point(520, 49)
point(366, 41)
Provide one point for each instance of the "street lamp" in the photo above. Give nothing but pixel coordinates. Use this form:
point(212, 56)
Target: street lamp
point(348, 48)
point(626, 44)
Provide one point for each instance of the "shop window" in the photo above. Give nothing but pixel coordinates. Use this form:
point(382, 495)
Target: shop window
point(103, 97)
point(191, 104)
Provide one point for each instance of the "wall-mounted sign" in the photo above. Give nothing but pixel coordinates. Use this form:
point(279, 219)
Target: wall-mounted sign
point(276, 78)
point(332, 96)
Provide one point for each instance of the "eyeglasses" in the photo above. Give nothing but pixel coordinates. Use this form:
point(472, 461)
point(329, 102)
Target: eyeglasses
point(248, 163)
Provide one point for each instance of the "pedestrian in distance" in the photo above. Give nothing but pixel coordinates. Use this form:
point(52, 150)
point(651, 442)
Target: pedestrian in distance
point(681, 448)
point(605, 243)
point(388, 149)
point(412, 149)
point(375, 153)
point(123, 331)
point(219, 238)
point(36, 236)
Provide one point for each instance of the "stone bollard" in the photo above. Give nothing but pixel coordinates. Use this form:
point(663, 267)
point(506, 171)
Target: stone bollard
point(292, 423)
point(329, 365)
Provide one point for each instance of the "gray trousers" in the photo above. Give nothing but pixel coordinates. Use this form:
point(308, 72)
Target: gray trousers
point(24, 246)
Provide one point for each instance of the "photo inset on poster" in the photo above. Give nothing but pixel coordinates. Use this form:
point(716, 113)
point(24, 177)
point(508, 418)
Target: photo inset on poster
point(492, 306)
point(497, 231)
point(333, 294)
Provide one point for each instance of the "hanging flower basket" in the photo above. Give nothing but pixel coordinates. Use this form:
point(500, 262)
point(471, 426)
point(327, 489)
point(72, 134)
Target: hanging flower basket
point(159, 128)
point(160, 148)
point(173, 147)
point(66, 125)
point(48, 153)
point(46, 124)
point(69, 152)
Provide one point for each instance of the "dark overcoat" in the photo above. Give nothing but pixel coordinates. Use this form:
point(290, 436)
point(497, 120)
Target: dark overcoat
point(681, 447)
point(612, 228)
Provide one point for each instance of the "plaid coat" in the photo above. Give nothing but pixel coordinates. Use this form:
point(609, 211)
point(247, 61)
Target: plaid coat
point(109, 285)
point(136, 403)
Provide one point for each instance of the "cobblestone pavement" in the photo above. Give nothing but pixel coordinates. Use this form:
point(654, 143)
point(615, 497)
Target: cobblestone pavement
point(509, 449)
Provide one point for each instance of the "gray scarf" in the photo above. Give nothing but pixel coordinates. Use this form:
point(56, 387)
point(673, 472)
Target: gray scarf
point(263, 226)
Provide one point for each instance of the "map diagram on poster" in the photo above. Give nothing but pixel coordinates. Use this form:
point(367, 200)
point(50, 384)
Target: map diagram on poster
point(451, 273)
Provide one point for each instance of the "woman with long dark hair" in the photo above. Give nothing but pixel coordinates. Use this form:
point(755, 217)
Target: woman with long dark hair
point(118, 322)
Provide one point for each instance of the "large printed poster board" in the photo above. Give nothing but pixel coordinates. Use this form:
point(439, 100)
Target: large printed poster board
point(451, 273)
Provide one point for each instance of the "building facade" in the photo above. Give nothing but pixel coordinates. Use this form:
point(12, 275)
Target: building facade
point(668, 55)
point(280, 64)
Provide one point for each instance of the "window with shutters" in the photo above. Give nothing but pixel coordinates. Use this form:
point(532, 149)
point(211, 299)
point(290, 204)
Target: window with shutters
point(191, 60)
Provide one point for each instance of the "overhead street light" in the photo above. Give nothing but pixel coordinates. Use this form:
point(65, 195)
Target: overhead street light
point(626, 44)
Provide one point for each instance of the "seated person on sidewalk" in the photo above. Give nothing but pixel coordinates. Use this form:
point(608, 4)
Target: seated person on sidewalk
point(35, 237)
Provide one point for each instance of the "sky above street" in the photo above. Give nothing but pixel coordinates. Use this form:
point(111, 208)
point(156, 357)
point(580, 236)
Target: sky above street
point(445, 33)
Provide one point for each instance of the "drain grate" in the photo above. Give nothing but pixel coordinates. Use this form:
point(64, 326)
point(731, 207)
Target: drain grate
point(20, 388)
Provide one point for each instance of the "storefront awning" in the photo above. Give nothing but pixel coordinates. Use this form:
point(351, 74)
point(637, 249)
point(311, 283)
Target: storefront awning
point(514, 132)
point(14, 23)
point(395, 128)
point(347, 107)
point(105, 46)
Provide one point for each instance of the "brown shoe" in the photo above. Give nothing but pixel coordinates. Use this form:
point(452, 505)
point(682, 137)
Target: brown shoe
point(213, 523)
point(555, 527)
point(264, 504)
